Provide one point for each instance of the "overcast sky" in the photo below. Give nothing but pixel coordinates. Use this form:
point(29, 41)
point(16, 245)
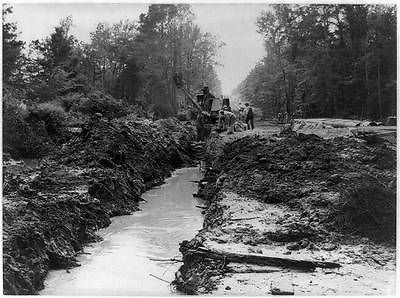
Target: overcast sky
point(234, 24)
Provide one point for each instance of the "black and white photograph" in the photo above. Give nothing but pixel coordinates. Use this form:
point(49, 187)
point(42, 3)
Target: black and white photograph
point(199, 148)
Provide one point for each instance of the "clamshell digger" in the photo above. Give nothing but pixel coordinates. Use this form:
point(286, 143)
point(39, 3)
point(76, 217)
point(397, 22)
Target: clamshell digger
point(210, 109)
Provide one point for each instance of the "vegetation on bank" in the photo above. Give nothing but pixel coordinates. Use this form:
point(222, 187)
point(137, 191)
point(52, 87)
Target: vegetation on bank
point(329, 60)
point(56, 83)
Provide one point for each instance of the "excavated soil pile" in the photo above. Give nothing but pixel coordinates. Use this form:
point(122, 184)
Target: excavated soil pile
point(50, 212)
point(346, 184)
point(317, 194)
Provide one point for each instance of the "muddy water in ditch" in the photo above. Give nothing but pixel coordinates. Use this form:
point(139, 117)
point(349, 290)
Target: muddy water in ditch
point(121, 264)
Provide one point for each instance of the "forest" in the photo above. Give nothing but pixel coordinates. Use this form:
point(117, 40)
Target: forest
point(127, 67)
point(325, 61)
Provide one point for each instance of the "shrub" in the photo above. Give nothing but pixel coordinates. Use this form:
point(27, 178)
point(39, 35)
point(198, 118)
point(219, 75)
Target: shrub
point(368, 209)
point(54, 118)
point(100, 103)
point(22, 138)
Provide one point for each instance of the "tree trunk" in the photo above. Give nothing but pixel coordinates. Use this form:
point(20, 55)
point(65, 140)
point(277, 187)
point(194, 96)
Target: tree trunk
point(366, 73)
point(379, 89)
point(287, 96)
point(104, 74)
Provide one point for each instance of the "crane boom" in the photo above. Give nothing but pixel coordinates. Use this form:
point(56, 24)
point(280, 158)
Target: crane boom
point(195, 103)
point(179, 84)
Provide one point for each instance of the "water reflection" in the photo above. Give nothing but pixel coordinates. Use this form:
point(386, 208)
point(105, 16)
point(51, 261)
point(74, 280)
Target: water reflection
point(120, 264)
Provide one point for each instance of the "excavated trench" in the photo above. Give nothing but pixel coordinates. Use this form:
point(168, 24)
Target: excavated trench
point(52, 210)
point(282, 198)
point(126, 262)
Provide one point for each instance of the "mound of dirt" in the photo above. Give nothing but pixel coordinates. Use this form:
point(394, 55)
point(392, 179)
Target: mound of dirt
point(50, 212)
point(348, 182)
point(294, 196)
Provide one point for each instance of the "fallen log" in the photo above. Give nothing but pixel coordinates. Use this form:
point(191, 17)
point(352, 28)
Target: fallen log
point(259, 259)
point(250, 270)
point(244, 218)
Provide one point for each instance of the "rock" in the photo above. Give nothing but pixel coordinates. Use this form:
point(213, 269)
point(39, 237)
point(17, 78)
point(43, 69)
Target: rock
point(364, 240)
point(295, 246)
point(299, 245)
point(277, 291)
point(329, 246)
point(304, 243)
point(251, 250)
point(227, 288)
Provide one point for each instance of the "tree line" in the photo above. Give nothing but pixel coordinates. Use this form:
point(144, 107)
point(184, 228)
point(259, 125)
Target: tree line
point(126, 66)
point(325, 61)
point(132, 61)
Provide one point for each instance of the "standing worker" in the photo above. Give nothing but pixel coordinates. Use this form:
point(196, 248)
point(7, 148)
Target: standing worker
point(242, 113)
point(280, 118)
point(249, 116)
point(200, 126)
point(208, 99)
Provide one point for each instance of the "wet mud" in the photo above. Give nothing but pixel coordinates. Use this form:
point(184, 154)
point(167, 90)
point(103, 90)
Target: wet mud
point(296, 197)
point(51, 211)
point(133, 257)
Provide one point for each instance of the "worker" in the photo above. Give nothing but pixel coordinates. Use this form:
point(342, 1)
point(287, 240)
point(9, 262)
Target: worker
point(242, 116)
point(228, 119)
point(286, 117)
point(207, 99)
point(249, 116)
point(280, 118)
point(221, 121)
point(200, 125)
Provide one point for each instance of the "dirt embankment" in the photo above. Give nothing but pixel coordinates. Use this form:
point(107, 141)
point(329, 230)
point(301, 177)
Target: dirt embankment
point(295, 197)
point(51, 212)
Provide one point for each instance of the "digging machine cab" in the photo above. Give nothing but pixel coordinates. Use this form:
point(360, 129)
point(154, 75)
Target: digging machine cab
point(204, 101)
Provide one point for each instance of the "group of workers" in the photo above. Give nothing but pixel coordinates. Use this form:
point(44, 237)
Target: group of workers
point(283, 117)
point(220, 111)
point(227, 118)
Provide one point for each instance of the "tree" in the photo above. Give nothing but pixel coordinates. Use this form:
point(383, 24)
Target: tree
point(109, 50)
point(56, 65)
point(326, 60)
point(57, 48)
point(170, 42)
point(12, 48)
